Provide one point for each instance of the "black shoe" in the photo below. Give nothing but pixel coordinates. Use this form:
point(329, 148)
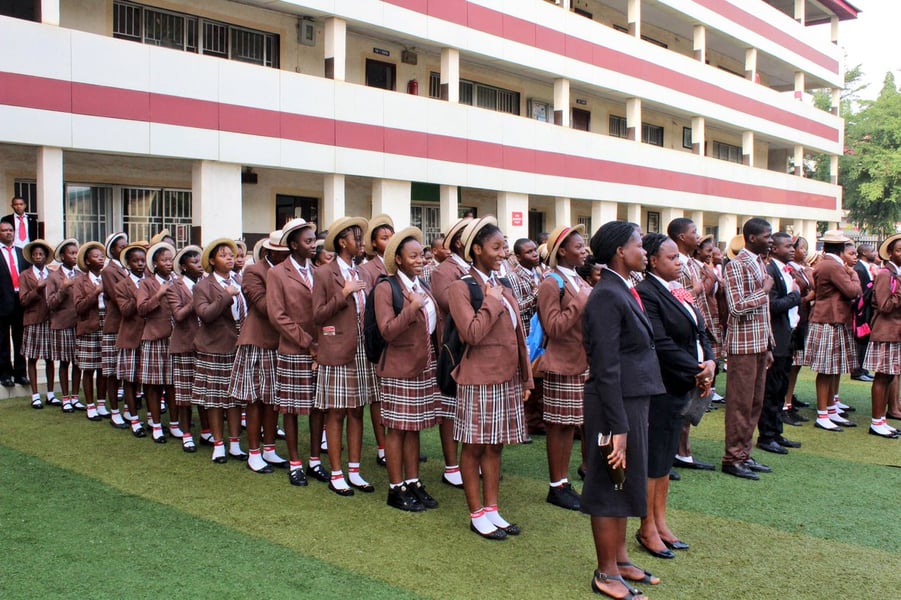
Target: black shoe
point(864, 378)
point(423, 458)
point(581, 472)
point(122, 425)
point(512, 529)
point(160, 440)
point(221, 460)
point(528, 439)
point(445, 481)
point(401, 498)
point(799, 403)
point(238, 456)
point(277, 464)
point(772, 446)
point(665, 553)
point(381, 461)
point(21, 380)
point(497, 534)
point(799, 416)
point(695, 464)
point(418, 491)
point(787, 443)
point(675, 544)
point(139, 401)
point(318, 473)
point(790, 418)
point(739, 470)
point(757, 467)
point(37, 404)
point(674, 475)
point(296, 477)
point(564, 497)
point(891, 436)
point(344, 492)
point(264, 470)
point(139, 432)
point(7, 382)
point(366, 488)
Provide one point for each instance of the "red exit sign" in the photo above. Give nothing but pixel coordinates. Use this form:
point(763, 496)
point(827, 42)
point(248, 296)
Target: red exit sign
point(516, 217)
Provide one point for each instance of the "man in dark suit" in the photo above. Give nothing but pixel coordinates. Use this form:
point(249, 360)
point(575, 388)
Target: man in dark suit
point(785, 298)
point(25, 226)
point(867, 257)
point(10, 309)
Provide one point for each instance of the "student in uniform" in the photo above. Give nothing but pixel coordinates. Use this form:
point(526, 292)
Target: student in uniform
point(36, 318)
point(253, 376)
point(240, 260)
point(407, 368)
point(491, 384)
point(131, 327)
point(112, 274)
point(156, 365)
point(221, 307)
point(803, 276)
point(91, 311)
point(453, 268)
point(289, 301)
point(344, 384)
point(376, 238)
point(180, 297)
point(561, 301)
point(62, 322)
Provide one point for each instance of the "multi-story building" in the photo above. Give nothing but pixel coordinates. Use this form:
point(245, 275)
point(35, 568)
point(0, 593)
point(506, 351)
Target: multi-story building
point(218, 117)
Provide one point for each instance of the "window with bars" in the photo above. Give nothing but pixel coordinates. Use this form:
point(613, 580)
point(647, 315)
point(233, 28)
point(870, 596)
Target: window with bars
point(87, 211)
point(618, 127)
point(27, 190)
point(728, 152)
point(427, 219)
point(652, 134)
point(190, 33)
point(146, 211)
point(480, 94)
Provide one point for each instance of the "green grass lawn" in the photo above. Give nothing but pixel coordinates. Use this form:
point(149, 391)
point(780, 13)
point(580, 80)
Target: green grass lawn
point(87, 511)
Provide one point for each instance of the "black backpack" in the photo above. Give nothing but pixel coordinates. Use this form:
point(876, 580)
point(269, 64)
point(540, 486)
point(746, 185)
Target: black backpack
point(373, 342)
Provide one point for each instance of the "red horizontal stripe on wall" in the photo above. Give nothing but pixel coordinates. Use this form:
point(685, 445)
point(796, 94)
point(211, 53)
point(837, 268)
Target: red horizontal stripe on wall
point(102, 101)
point(185, 112)
point(35, 92)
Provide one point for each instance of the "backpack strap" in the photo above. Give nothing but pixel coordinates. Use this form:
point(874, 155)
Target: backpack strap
point(397, 294)
point(559, 282)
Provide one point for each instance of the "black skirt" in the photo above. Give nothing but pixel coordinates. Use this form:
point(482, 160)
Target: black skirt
point(664, 428)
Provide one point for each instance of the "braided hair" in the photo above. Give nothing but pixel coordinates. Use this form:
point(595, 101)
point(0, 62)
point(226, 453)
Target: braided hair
point(652, 243)
point(609, 237)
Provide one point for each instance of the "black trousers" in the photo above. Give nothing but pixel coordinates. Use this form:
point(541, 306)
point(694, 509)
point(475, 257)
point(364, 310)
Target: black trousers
point(11, 326)
point(769, 425)
point(862, 345)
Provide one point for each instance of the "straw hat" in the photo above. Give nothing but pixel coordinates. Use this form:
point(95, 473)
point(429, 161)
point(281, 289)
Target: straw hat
point(208, 250)
point(454, 230)
point(176, 262)
point(48, 250)
point(834, 236)
point(394, 244)
point(542, 253)
point(111, 240)
point(292, 226)
point(57, 254)
point(555, 241)
point(884, 254)
point(339, 226)
point(273, 242)
point(82, 253)
point(374, 223)
point(159, 237)
point(130, 247)
point(158, 247)
point(736, 245)
point(240, 244)
point(469, 234)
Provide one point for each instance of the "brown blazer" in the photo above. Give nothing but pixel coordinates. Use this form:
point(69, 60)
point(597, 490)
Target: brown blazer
point(887, 305)
point(290, 306)
point(561, 319)
point(406, 335)
point(334, 315)
point(131, 325)
point(34, 301)
point(445, 274)
point(181, 305)
point(156, 312)
point(213, 305)
point(87, 305)
point(835, 289)
point(374, 268)
point(256, 329)
point(59, 299)
point(111, 275)
point(491, 341)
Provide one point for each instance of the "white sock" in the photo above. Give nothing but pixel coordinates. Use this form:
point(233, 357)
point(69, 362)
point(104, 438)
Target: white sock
point(175, 430)
point(255, 460)
point(92, 411)
point(314, 462)
point(135, 425)
point(270, 455)
point(481, 522)
point(353, 473)
point(35, 397)
point(452, 474)
point(294, 466)
point(120, 393)
point(157, 431)
point(101, 409)
point(323, 445)
point(51, 395)
point(206, 435)
point(234, 446)
point(187, 441)
point(338, 481)
point(218, 450)
point(381, 452)
point(554, 484)
point(411, 481)
point(128, 416)
point(495, 517)
point(688, 459)
point(116, 417)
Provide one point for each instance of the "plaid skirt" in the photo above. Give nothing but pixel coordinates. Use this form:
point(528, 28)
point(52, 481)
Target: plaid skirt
point(447, 407)
point(36, 341)
point(253, 375)
point(62, 344)
point(109, 355)
point(831, 349)
point(156, 364)
point(183, 365)
point(490, 414)
point(883, 357)
point(295, 383)
point(347, 386)
point(128, 364)
point(89, 348)
point(411, 404)
point(211, 378)
point(563, 396)
point(799, 359)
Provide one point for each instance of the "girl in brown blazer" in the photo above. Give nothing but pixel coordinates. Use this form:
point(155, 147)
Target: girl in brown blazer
point(221, 307)
point(36, 318)
point(289, 301)
point(62, 322)
point(561, 301)
point(491, 383)
point(90, 307)
point(346, 380)
point(407, 368)
point(112, 274)
point(156, 366)
point(131, 327)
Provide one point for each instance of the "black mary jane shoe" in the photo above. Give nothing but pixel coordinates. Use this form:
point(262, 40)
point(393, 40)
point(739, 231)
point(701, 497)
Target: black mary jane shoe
point(581, 473)
point(220, 460)
point(344, 492)
point(37, 404)
point(122, 425)
point(666, 553)
point(264, 470)
point(446, 481)
point(403, 499)
point(296, 477)
point(140, 432)
point(318, 473)
point(675, 544)
point(497, 534)
point(160, 440)
point(277, 464)
point(381, 461)
point(365, 488)
point(189, 449)
point(512, 529)
point(239, 456)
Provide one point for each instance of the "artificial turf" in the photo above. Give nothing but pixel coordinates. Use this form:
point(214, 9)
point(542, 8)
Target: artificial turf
point(89, 511)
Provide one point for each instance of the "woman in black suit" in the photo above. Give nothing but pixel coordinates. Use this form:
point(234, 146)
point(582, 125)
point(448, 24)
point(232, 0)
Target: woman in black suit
point(686, 362)
point(623, 375)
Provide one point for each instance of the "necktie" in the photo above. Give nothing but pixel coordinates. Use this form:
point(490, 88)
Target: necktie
point(305, 276)
point(680, 294)
point(787, 269)
point(239, 300)
point(635, 295)
point(359, 296)
point(13, 267)
point(72, 274)
point(23, 230)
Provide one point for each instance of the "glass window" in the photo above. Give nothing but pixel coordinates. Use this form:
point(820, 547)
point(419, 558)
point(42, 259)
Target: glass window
point(618, 126)
point(652, 134)
point(146, 211)
point(87, 211)
point(728, 152)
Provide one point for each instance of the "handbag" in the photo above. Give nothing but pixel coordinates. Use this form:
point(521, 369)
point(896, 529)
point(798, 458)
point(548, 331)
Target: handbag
point(695, 407)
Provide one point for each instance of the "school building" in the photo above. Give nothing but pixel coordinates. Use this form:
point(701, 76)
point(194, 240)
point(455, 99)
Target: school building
point(226, 118)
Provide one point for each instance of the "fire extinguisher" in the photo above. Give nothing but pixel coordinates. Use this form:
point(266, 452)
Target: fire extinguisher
point(413, 87)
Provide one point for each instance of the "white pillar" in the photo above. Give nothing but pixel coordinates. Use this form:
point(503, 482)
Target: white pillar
point(563, 213)
point(601, 212)
point(727, 227)
point(633, 119)
point(799, 85)
point(799, 160)
point(800, 11)
point(634, 17)
point(217, 199)
point(50, 183)
point(833, 169)
point(392, 197)
point(335, 48)
point(513, 214)
point(633, 215)
point(449, 206)
point(775, 223)
point(450, 75)
point(810, 234)
point(836, 100)
point(833, 29)
point(565, 4)
point(561, 102)
point(698, 135)
point(747, 148)
point(797, 226)
point(50, 16)
point(697, 217)
point(667, 215)
point(751, 64)
point(333, 202)
point(699, 44)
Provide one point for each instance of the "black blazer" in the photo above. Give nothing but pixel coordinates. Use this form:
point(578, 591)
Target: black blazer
point(619, 343)
point(863, 273)
point(781, 300)
point(676, 336)
point(30, 219)
point(9, 297)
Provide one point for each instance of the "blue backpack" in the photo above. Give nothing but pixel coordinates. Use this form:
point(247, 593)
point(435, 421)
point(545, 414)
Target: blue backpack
point(536, 342)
